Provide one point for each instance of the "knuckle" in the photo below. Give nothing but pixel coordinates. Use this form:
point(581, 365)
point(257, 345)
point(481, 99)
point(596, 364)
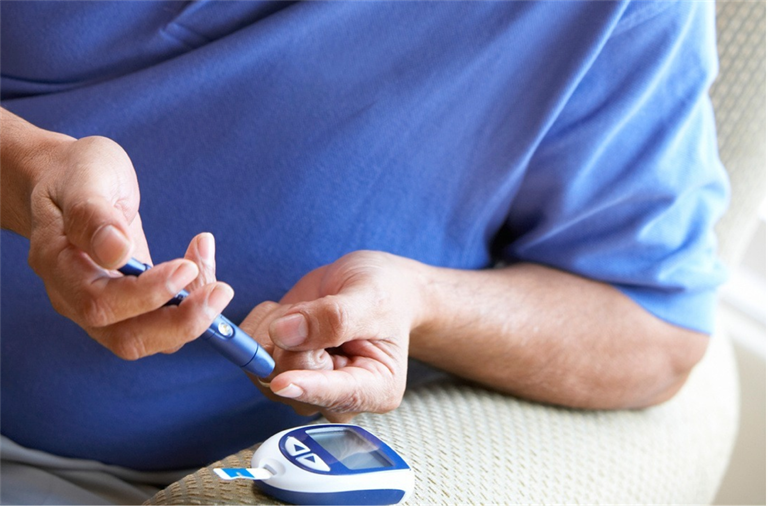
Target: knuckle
point(58, 304)
point(192, 324)
point(336, 320)
point(269, 306)
point(79, 215)
point(263, 310)
point(43, 257)
point(128, 346)
point(34, 258)
point(339, 417)
point(257, 316)
point(390, 404)
point(99, 142)
point(379, 296)
point(352, 403)
point(303, 410)
point(172, 350)
point(387, 397)
point(94, 312)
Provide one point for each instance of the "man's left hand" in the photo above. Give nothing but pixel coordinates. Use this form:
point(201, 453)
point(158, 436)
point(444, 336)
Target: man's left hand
point(340, 336)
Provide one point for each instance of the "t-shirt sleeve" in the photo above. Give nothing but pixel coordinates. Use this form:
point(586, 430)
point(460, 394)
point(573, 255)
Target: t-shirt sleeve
point(626, 184)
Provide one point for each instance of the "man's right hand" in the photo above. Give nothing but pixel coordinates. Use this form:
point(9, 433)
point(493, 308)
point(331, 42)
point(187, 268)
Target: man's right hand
point(77, 201)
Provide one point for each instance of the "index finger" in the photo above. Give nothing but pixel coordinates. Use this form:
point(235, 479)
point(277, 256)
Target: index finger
point(94, 298)
point(364, 385)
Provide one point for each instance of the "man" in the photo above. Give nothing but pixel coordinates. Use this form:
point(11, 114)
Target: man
point(364, 165)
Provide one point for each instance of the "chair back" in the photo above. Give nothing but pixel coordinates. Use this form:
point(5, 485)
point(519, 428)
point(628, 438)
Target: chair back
point(738, 96)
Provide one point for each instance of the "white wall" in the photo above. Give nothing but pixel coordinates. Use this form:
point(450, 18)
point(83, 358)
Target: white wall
point(743, 312)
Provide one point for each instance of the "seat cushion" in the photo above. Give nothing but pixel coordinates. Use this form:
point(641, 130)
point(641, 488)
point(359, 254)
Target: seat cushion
point(470, 445)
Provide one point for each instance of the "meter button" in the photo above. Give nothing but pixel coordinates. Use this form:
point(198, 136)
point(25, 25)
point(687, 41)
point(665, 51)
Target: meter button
point(313, 462)
point(294, 447)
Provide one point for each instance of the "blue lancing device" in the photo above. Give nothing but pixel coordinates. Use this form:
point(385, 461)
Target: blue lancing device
point(225, 336)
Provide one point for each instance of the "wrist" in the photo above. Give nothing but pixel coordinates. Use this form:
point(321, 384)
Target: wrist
point(424, 301)
point(447, 302)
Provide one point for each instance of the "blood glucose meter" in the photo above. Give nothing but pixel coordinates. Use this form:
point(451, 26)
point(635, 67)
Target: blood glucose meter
point(328, 464)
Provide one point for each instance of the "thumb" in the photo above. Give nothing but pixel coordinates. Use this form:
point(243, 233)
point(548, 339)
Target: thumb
point(327, 322)
point(99, 228)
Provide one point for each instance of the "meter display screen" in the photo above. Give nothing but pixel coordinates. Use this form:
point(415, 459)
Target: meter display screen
point(350, 448)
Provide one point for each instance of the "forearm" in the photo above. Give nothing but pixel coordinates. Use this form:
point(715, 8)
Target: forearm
point(550, 336)
point(24, 155)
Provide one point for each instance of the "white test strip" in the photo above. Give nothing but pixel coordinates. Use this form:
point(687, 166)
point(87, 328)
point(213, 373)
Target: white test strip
point(246, 473)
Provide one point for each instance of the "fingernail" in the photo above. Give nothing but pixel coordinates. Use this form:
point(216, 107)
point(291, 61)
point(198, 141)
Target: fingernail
point(290, 330)
point(206, 247)
point(181, 277)
point(291, 391)
point(218, 299)
point(110, 246)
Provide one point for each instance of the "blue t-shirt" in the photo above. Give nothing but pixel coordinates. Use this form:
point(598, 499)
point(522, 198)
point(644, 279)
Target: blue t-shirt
point(577, 135)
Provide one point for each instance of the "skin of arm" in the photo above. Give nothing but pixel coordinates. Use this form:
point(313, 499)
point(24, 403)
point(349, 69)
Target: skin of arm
point(342, 335)
point(77, 202)
point(554, 337)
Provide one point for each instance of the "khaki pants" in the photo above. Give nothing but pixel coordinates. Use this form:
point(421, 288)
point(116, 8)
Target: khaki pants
point(34, 477)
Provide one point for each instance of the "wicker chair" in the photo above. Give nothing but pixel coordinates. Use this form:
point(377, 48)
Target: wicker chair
point(488, 448)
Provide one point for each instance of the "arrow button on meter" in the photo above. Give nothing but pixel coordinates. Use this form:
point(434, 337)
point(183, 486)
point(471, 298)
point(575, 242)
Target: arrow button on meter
point(295, 447)
point(313, 462)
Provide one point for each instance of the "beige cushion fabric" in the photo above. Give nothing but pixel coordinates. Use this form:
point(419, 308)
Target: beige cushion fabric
point(468, 445)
